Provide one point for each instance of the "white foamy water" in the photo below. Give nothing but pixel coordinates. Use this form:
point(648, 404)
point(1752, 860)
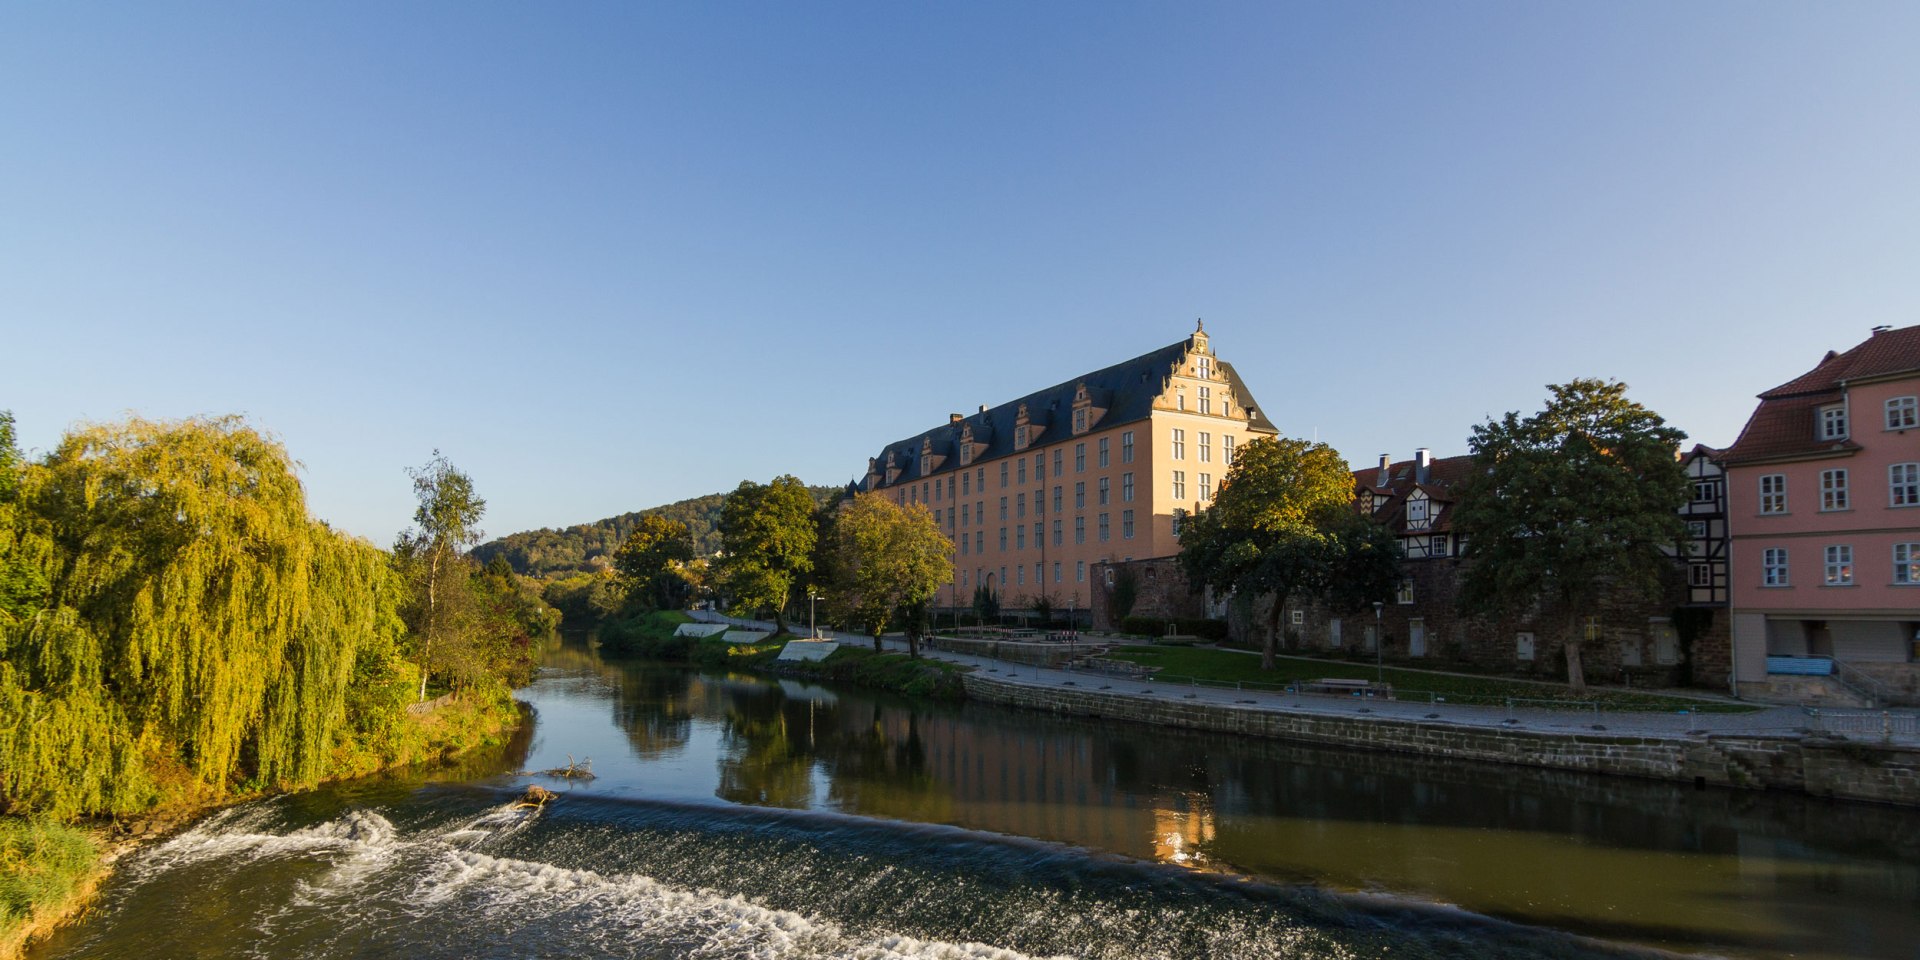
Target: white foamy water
point(439, 875)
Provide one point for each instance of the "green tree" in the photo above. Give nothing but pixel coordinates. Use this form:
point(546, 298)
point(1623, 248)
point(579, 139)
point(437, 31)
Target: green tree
point(1274, 526)
point(24, 547)
point(1569, 504)
point(652, 563)
point(767, 535)
point(891, 559)
point(446, 526)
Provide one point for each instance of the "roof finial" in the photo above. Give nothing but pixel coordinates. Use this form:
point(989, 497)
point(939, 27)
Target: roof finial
point(1199, 326)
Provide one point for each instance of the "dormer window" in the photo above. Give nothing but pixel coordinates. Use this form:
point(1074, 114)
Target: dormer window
point(1080, 420)
point(1833, 422)
point(1417, 511)
point(1203, 367)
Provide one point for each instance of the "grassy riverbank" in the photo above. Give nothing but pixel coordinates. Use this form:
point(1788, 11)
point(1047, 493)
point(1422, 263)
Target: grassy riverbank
point(1229, 666)
point(48, 872)
point(651, 636)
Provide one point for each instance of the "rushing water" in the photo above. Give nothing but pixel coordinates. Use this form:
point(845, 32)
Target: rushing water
point(739, 817)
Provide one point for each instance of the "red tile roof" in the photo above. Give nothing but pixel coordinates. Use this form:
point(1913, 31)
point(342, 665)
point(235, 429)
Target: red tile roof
point(1784, 427)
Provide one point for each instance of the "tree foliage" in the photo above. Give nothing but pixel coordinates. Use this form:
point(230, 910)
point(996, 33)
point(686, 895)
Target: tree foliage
point(198, 628)
point(432, 555)
point(652, 563)
point(590, 547)
point(1281, 524)
point(890, 561)
point(1569, 503)
point(767, 536)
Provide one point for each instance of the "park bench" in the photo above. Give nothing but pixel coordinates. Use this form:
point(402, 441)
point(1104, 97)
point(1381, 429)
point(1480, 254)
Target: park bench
point(1343, 687)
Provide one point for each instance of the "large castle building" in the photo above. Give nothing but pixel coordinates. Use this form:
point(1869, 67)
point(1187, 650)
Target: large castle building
point(1102, 467)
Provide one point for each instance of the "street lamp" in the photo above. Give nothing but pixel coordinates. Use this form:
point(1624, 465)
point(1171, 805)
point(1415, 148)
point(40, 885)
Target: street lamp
point(1379, 640)
point(814, 632)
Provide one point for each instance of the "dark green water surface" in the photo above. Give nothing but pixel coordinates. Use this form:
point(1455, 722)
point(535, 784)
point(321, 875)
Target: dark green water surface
point(736, 817)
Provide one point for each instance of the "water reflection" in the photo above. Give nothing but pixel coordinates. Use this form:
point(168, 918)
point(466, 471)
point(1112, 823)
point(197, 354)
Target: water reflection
point(1644, 861)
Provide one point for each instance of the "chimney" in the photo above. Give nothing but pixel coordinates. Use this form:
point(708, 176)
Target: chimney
point(983, 408)
point(954, 418)
point(1422, 459)
point(1386, 465)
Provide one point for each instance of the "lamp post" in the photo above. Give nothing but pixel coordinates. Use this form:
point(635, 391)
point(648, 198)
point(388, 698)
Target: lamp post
point(1379, 640)
point(813, 632)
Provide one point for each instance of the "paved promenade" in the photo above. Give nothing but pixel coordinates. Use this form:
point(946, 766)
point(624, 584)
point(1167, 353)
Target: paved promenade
point(1772, 721)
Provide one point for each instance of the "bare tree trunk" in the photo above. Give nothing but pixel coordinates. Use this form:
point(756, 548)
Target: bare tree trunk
point(426, 642)
point(913, 644)
point(876, 644)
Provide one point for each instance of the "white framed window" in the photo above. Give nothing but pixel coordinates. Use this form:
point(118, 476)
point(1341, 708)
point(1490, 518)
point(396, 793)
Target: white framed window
point(979, 541)
point(1003, 539)
point(1079, 529)
point(1058, 453)
point(1697, 529)
point(1020, 473)
point(1203, 367)
point(1080, 420)
point(1206, 400)
point(1206, 486)
point(1079, 571)
point(1833, 422)
point(1003, 473)
point(1699, 575)
point(1105, 491)
point(1206, 447)
point(1020, 576)
point(1773, 567)
point(1003, 508)
point(1906, 563)
point(1056, 498)
point(1704, 491)
point(1404, 594)
point(1903, 485)
point(1523, 646)
point(1126, 447)
point(1056, 571)
point(1103, 452)
point(1179, 520)
point(1126, 524)
point(1179, 484)
point(1058, 537)
point(1226, 449)
point(1020, 506)
point(1438, 546)
point(1773, 493)
point(1126, 488)
point(1833, 490)
point(966, 483)
point(1903, 413)
point(1179, 444)
point(1298, 618)
point(1039, 468)
point(1839, 565)
point(1080, 495)
point(1079, 458)
point(1180, 398)
point(1105, 529)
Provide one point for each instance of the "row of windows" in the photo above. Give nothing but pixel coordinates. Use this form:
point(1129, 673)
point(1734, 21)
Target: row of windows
point(1015, 471)
point(1901, 413)
point(1103, 527)
point(1903, 489)
point(1178, 446)
point(1020, 574)
point(1180, 486)
point(1837, 565)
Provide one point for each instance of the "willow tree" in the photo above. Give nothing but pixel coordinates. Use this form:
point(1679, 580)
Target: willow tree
point(198, 629)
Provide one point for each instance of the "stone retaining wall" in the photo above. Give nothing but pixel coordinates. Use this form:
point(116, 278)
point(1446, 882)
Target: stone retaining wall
point(1824, 767)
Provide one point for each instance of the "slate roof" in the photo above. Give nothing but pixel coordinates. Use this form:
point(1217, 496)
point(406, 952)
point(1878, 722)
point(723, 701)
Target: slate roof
point(1443, 477)
point(1783, 427)
point(1126, 390)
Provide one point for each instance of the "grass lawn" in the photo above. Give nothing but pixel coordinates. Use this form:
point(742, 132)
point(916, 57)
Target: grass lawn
point(44, 869)
point(1229, 666)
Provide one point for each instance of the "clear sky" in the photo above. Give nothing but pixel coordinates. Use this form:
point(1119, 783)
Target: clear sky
point(609, 255)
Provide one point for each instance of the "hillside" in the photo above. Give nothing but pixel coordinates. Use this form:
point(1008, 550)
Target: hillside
point(576, 548)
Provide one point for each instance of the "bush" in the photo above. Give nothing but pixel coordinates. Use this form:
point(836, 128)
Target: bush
point(648, 635)
point(1210, 630)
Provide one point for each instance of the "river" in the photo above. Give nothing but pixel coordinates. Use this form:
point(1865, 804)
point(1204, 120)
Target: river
point(737, 816)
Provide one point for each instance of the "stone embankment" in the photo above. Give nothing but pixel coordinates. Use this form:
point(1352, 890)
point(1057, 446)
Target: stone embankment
point(1843, 769)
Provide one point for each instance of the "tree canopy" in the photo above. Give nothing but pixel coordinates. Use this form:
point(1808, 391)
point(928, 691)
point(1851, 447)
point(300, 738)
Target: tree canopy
point(1571, 502)
point(889, 562)
point(767, 536)
point(1282, 523)
point(652, 563)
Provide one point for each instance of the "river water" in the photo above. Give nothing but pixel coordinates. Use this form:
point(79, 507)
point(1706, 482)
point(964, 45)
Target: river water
point(735, 816)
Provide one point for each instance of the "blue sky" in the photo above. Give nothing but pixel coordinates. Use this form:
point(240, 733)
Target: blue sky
point(606, 256)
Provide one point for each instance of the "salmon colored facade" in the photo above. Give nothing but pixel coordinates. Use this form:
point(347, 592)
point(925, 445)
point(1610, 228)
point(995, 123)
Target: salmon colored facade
point(1823, 497)
point(1036, 491)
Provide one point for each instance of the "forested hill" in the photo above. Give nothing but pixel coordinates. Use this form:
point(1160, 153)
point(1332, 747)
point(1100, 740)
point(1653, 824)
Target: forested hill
point(543, 552)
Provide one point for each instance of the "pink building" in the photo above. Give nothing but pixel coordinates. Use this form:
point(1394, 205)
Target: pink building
point(1823, 500)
